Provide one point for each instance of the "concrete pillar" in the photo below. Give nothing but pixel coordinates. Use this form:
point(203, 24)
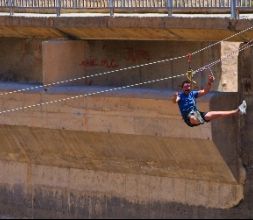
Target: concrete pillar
point(246, 92)
point(229, 68)
point(20, 60)
point(61, 60)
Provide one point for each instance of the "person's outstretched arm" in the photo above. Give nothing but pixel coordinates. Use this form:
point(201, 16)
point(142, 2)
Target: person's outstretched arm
point(208, 86)
point(176, 98)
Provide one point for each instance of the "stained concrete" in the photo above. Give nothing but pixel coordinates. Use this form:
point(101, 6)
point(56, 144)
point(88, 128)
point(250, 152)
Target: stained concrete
point(92, 57)
point(185, 28)
point(45, 180)
point(154, 154)
point(39, 61)
point(20, 60)
point(246, 92)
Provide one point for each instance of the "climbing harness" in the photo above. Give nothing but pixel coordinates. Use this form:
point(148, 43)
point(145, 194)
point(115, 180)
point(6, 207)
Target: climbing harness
point(211, 72)
point(189, 73)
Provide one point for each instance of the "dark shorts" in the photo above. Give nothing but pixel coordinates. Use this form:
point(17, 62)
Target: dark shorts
point(188, 122)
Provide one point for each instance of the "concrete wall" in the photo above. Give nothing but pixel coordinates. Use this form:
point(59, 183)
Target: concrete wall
point(93, 57)
point(229, 77)
point(24, 60)
point(246, 92)
point(124, 154)
point(20, 60)
point(61, 60)
point(77, 159)
point(49, 61)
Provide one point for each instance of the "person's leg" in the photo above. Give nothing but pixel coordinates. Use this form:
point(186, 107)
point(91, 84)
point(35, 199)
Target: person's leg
point(220, 114)
point(194, 120)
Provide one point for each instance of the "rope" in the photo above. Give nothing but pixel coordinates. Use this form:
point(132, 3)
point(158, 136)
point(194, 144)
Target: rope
point(209, 66)
point(122, 69)
point(226, 39)
point(90, 94)
point(90, 76)
point(122, 87)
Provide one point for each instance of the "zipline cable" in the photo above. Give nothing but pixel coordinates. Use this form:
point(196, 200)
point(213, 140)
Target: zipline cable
point(210, 65)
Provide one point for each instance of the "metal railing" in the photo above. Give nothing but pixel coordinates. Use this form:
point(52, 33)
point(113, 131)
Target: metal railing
point(234, 7)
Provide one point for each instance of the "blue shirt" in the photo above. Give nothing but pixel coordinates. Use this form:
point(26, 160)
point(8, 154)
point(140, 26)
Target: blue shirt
point(187, 103)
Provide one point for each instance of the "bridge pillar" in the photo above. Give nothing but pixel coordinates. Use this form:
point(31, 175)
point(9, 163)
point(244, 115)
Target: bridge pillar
point(246, 92)
point(61, 60)
point(21, 60)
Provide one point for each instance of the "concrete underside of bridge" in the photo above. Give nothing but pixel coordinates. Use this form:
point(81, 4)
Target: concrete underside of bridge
point(126, 153)
point(124, 28)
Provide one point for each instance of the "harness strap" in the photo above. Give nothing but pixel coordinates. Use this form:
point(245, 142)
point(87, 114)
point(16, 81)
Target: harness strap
point(189, 73)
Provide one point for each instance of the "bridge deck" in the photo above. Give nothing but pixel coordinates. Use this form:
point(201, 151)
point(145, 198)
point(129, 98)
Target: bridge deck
point(125, 27)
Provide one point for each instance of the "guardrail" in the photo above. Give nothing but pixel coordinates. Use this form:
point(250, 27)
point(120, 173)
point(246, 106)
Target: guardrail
point(234, 7)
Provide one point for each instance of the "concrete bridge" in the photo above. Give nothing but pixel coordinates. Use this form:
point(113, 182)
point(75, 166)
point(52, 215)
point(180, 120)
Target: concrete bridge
point(123, 27)
point(128, 153)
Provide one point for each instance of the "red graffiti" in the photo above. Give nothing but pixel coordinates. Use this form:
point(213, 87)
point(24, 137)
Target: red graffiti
point(109, 63)
point(131, 55)
point(90, 62)
point(136, 55)
point(93, 62)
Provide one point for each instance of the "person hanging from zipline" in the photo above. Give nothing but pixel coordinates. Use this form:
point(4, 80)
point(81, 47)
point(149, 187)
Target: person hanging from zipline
point(186, 100)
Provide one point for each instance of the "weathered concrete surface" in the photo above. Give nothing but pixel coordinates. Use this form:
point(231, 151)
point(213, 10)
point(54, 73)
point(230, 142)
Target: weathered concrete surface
point(62, 60)
point(81, 146)
point(91, 155)
point(67, 190)
point(31, 60)
point(124, 28)
point(65, 59)
point(246, 92)
point(95, 113)
point(229, 77)
point(20, 60)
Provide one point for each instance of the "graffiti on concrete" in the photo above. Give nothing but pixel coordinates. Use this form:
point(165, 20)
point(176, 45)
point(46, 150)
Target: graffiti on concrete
point(95, 62)
point(129, 55)
point(134, 55)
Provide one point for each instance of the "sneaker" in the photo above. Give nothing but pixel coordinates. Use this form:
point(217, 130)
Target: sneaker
point(243, 108)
